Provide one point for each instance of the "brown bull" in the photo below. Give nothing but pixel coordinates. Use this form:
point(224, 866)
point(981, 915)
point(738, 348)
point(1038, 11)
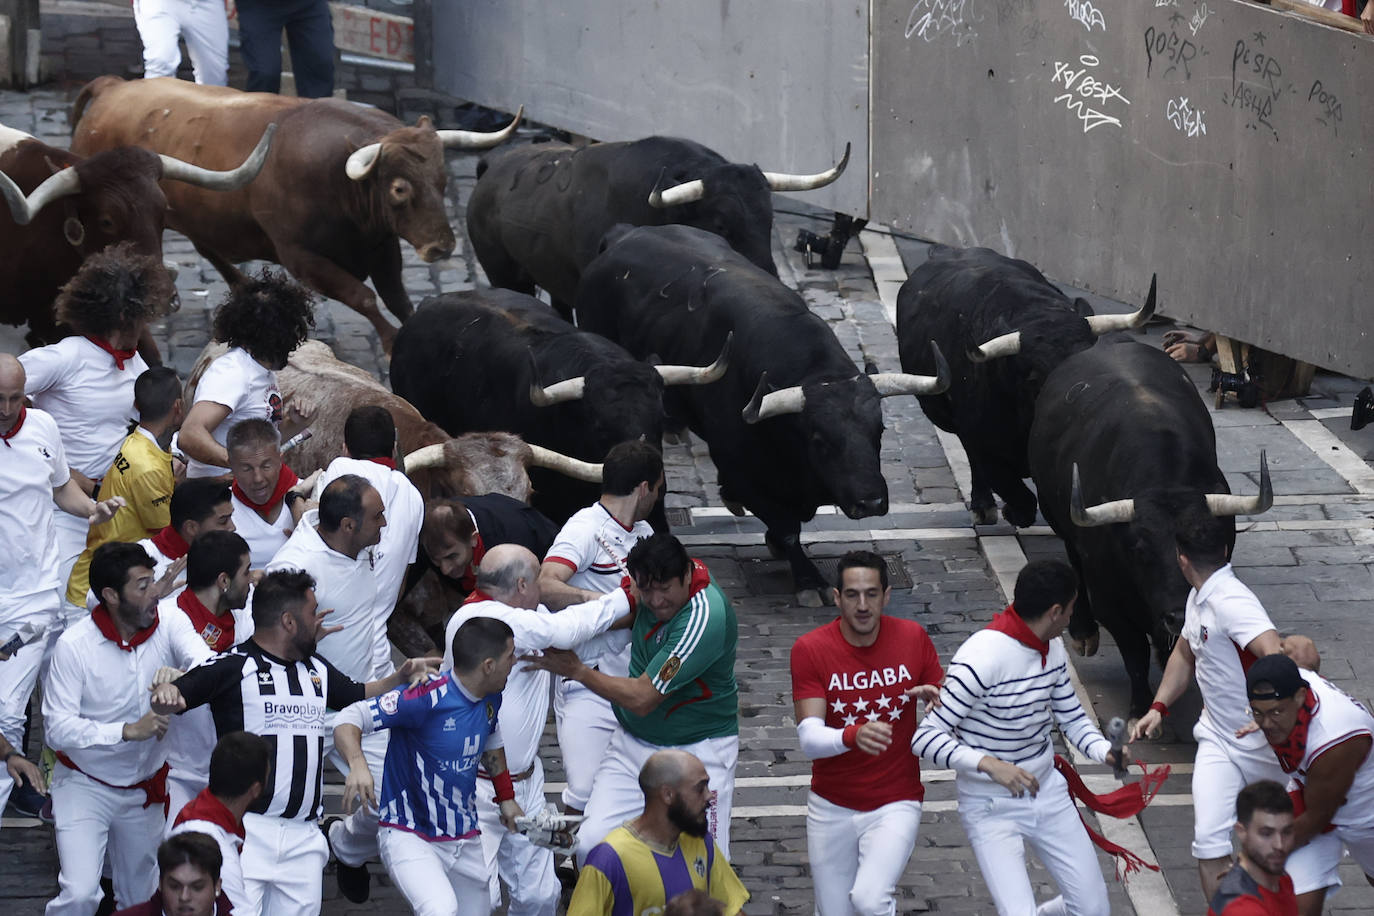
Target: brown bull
point(63, 207)
point(342, 184)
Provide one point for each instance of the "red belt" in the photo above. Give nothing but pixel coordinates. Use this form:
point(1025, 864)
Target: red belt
point(520, 777)
point(154, 787)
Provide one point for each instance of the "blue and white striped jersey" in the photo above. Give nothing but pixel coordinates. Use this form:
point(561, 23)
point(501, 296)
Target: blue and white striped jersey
point(438, 732)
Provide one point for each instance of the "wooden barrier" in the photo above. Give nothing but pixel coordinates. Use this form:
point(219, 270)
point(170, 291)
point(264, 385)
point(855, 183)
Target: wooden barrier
point(1324, 16)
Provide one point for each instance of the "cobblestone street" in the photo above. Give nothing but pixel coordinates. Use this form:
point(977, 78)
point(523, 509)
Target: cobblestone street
point(1310, 559)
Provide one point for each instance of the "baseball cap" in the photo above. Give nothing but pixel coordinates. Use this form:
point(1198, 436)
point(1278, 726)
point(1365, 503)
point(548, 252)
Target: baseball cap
point(1273, 677)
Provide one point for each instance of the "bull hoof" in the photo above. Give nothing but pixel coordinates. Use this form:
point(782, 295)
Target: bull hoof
point(680, 437)
point(986, 515)
point(1086, 645)
point(738, 510)
point(811, 597)
point(1152, 734)
point(1018, 516)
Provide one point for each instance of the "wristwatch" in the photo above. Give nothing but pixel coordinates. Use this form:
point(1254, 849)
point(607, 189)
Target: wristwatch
point(291, 496)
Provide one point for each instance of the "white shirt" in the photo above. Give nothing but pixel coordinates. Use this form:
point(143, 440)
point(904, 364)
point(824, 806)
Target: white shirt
point(525, 699)
point(1338, 718)
point(264, 538)
point(160, 563)
point(230, 848)
point(32, 467)
point(91, 400)
point(400, 543)
point(239, 382)
point(1220, 620)
point(347, 585)
point(94, 687)
point(579, 547)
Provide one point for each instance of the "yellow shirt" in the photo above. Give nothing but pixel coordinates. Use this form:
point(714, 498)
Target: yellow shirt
point(625, 875)
point(142, 474)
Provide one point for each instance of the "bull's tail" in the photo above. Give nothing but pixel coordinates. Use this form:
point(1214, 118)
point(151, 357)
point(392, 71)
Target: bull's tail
point(89, 92)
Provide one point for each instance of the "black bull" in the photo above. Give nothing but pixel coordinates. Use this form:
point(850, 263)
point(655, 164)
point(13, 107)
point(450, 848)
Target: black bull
point(677, 292)
point(487, 360)
point(1126, 420)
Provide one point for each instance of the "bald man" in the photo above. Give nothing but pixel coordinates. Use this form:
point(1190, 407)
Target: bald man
point(664, 852)
point(33, 476)
point(507, 588)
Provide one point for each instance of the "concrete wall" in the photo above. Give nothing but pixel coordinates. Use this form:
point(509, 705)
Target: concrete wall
point(783, 83)
point(1222, 144)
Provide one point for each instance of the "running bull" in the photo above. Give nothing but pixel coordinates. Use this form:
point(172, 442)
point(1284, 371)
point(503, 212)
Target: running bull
point(64, 207)
point(342, 184)
point(538, 212)
point(496, 359)
point(1121, 444)
point(1005, 328)
point(792, 425)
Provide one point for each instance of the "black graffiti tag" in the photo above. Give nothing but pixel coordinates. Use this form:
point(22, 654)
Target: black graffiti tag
point(1169, 47)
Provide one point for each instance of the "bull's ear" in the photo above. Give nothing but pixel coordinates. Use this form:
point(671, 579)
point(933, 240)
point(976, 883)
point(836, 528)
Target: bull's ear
point(1083, 308)
point(424, 122)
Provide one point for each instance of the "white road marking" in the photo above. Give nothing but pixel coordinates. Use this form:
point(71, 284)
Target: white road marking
point(1330, 413)
point(1327, 446)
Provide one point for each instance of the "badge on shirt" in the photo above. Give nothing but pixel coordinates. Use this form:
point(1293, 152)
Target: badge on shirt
point(491, 712)
point(670, 668)
point(1204, 634)
point(699, 866)
point(211, 634)
point(389, 701)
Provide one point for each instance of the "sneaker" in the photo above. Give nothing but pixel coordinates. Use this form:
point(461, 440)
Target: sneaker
point(26, 801)
point(355, 881)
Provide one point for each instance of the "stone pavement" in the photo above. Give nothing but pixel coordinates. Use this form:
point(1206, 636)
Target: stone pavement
point(1311, 559)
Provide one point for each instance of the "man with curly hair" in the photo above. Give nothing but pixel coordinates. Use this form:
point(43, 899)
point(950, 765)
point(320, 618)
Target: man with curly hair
point(262, 320)
point(86, 382)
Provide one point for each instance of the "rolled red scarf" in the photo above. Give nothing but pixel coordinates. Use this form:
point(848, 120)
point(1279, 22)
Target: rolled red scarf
point(384, 462)
point(170, 542)
point(1127, 801)
point(120, 356)
point(14, 430)
point(286, 479)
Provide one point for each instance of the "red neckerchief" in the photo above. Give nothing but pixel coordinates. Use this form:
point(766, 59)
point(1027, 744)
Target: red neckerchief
point(14, 430)
point(217, 631)
point(119, 355)
point(384, 462)
point(205, 807)
point(476, 596)
point(1292, 750)
point(105, 623)
point(468, 581)
point(1010, 623)
point(701, 577)
point(170, 543)
point(286, 479)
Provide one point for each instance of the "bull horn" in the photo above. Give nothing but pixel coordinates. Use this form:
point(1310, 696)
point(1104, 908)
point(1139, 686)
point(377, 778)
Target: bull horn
point(781, 181)
point(696, 375)
point(1005, 345)
point(62, 183)
point(893, 383)
point(774, 404)
point(1231, 504)
point(174, 169)
point(476, 139)
point(678, 194)
point(362, 161)
point(1108, 513)
point(567, 390)
point(1102, 324)
point(431, 456)
point(569, 467)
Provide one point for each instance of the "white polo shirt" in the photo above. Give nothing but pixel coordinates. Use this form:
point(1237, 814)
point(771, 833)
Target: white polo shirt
point(343, 583)
point(239, 382)
point(400, 543)
point(264, 538)
point(525, 699)
point(1220, 620)
point(92, 401)
point(31, 467)
point(94, 687)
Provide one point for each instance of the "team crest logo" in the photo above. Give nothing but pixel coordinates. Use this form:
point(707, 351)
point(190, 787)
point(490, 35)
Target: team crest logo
point(264, 677)
point(1204, 634)
point(315, 679)
point(211, 634)
point(491, 712)
point(274, 407)
point(699, 866)
point(389, 701)
point(670, 668)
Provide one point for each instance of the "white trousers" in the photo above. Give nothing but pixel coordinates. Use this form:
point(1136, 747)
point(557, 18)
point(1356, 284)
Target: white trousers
point(283, 866)
point(444, 878)
point(201, 22)
point(857, 857)
point(616, 796)
point(998, 828)
point(354, 838)
point(585, 726)
point(93, 820)
point(19, 673)
point(1220, 770)
point(526, 869)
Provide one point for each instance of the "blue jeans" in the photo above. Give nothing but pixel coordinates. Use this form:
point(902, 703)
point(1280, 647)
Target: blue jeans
point(309, 33)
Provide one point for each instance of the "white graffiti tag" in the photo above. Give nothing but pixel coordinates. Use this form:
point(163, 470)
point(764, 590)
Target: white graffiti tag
point(930, 19)
point(1084, 12)
point(1185, 117)
point(1199, 18)
point(1159, 3)
point(1088, 89)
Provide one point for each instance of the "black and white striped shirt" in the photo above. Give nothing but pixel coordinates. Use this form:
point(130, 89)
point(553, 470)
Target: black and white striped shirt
point(252, 690)
point(998, 699)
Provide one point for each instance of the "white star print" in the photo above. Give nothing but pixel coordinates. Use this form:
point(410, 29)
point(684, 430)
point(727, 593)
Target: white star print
point(838, 707)
point(895, 714)
point(860, 705)
point(874, 716)
point(904, 699)
point(884, 702)
point(850, 720)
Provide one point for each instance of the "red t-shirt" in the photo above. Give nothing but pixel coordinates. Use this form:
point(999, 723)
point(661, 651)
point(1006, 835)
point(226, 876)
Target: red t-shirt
point(1258, 901)
point(866, 684)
